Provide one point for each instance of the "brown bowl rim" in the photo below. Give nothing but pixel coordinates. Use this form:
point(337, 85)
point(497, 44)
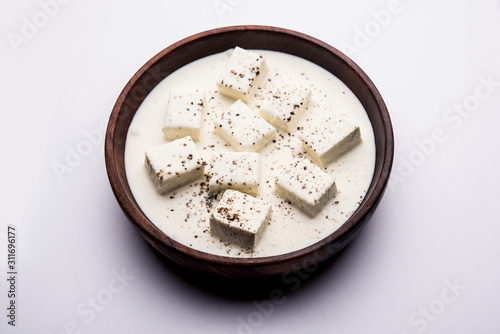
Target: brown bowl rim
point(154, 235)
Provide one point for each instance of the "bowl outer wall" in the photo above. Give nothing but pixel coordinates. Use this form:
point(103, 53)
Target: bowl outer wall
point(248, 37)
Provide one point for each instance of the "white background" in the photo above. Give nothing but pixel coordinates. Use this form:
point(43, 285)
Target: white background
point(436, 227)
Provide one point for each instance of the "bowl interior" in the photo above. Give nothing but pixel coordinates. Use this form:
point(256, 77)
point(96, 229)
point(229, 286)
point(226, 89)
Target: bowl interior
point(247, 37)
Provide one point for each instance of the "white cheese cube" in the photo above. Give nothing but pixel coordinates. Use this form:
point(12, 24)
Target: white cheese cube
point(306, 186)
point(244, 129)
point(240, 218)
point(243, 73)
point(235, 170)
point(174, 164)
point(184, 114)
point(330, 139)
point(283, 107)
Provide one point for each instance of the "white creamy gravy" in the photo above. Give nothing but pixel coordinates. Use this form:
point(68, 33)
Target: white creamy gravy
point(184, 214)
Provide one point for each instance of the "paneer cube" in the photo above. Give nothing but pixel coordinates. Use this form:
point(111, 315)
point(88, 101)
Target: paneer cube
point(283, 107)
point(235, 170)
point(240, 218)
point(244, 129)
point(243, 73)
point(174, 164)
point(184, 114)
point(328, 140)
point(306, 186)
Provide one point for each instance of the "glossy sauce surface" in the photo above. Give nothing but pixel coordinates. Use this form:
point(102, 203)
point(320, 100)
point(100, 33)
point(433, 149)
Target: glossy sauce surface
point(184, 214)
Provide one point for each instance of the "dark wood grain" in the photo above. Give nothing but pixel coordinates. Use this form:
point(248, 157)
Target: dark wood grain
point(248, 37)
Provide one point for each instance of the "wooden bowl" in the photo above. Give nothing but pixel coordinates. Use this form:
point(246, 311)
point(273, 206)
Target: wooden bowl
point(247, 37)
